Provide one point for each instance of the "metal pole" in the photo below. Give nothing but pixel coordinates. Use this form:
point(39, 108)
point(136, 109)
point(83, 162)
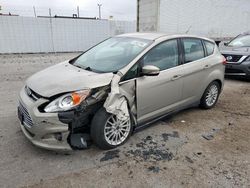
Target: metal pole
point(137, 17)
point(78, 12)
point(34, 11)
point(99, 6)
point(49, 12)
point(51, 31)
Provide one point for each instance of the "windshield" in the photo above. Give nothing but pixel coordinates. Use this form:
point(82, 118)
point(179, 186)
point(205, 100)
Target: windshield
point(112, 54)
point(240, 41)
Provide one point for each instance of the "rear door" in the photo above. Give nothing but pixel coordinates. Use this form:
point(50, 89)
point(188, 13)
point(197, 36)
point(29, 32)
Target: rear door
point(157, 95)
point(194, 69)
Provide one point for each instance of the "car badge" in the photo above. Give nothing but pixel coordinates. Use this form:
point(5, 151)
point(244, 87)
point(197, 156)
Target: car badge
point(229, 58)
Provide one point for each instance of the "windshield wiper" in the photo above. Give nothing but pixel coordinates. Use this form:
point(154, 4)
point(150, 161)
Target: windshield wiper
point(82, 67)
point(78, 66)
point(87, 68)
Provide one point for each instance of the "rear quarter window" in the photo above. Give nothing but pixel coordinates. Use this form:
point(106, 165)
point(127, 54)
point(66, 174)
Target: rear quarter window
point(209, 47)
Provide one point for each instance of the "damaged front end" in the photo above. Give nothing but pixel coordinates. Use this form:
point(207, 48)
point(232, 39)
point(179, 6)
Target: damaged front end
point(70, 129)
point(121, 99)
point(61, 131)
point(117, 99)
point(79, 119)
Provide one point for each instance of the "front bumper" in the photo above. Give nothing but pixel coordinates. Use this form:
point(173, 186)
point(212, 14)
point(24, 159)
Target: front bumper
point(242, 69)
point(45, 130)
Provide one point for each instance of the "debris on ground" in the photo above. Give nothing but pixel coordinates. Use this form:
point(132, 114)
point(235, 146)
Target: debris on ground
point(110, 155)
point(199, 153)
point(148, 150)
point(188, 159)
point(210, 135)
point(154, 169)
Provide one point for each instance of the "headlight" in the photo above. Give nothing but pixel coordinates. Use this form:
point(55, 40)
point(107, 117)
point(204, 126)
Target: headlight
point(67, 101)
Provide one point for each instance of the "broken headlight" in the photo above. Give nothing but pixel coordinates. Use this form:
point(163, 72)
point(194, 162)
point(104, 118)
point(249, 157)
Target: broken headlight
point(67, 101)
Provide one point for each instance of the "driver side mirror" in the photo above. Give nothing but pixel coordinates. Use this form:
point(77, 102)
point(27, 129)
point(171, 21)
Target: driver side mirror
point(226, 43)
point(150, 70)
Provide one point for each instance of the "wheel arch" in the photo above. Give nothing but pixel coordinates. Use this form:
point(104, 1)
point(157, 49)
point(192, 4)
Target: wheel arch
point(216, 75)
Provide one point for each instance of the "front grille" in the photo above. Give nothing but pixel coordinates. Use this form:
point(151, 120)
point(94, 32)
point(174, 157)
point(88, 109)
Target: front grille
point(26, 117)
point(232, 58)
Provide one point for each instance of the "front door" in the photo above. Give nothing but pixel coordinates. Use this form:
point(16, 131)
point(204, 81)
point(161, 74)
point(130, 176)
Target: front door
point(157, 95)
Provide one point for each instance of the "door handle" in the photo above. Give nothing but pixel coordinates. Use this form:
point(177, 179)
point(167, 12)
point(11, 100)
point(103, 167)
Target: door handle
point(176, 77)
point(206, 66)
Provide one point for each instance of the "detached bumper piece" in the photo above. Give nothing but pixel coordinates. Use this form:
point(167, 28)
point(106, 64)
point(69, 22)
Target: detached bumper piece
point(78, 123)
point(79, 141)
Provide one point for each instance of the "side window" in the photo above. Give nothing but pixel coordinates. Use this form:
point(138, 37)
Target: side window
point(193, 49)
point(132, 73)
point(209, 47)
point(163, 56)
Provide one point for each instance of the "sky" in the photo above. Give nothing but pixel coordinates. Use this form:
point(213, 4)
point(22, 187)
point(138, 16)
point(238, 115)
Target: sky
point(119, 9)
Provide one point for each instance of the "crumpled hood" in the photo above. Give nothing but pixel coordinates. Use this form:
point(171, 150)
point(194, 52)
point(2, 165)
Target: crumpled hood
point(65, 77)
point(235, 50)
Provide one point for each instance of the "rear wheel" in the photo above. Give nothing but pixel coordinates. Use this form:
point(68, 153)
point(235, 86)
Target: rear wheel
point(107, 131)
point(211, 95)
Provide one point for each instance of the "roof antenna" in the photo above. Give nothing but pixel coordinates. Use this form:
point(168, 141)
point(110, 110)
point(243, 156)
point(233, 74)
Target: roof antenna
point(188, 29)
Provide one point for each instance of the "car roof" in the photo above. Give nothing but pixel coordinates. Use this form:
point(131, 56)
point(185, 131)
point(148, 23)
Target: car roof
point(148, 36)
point(155, 36)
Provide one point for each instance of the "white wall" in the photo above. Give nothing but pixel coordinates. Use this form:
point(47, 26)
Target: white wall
point(148, 15)
point(36, 35)
point(216, 19)
point(210, 18)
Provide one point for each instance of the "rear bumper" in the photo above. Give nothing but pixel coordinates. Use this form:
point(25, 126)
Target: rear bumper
point(242, 69)
point(46, 130)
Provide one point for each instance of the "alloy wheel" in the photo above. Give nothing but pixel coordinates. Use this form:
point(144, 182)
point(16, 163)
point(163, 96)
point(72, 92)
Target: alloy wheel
point(212, 95)
point(116, 131)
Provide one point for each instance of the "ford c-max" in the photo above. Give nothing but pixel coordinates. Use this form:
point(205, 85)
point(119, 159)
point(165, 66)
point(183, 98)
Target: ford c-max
point(118, 86)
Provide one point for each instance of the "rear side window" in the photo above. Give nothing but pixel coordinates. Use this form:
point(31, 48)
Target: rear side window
point(209, 47)
point(193, 50)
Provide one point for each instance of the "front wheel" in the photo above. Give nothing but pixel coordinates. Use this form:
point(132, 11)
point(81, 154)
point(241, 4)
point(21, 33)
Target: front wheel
point(210, 96)
point(107, 131)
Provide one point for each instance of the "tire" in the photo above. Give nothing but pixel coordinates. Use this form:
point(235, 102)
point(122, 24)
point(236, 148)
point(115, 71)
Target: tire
point(248, 77)
point(99, 136)
point(206, 102)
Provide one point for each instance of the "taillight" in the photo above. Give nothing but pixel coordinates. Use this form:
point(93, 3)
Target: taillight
point(224, 61)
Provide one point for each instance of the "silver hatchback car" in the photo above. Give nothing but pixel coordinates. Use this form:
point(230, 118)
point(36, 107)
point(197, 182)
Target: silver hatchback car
point(118, 86)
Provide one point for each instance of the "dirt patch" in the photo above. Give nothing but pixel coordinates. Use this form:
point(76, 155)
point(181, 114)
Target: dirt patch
point(165, 136)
